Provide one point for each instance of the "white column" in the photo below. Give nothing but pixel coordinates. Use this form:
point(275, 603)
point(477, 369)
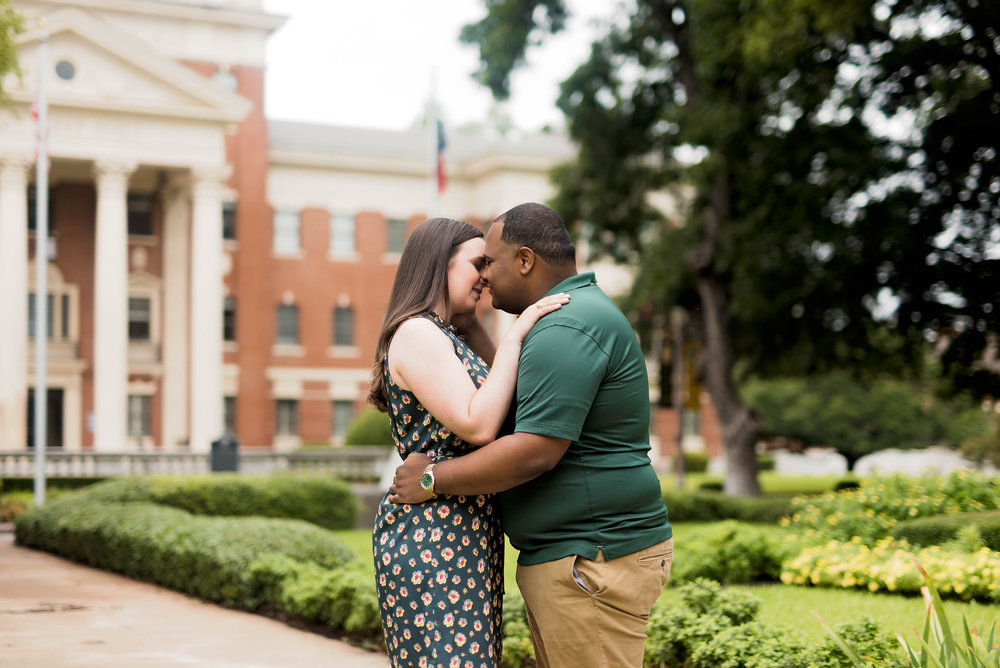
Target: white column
point(206, 308)
point(111, 307)
point(176, 269)
point(14, 302)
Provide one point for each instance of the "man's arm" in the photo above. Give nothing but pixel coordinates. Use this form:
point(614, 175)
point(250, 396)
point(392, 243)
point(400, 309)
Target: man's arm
point(506, 462)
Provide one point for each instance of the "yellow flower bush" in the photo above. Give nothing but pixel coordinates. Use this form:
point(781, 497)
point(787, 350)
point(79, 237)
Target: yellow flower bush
point(888, 566)
point(872, 510)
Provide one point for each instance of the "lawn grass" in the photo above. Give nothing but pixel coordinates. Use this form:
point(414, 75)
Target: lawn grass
point(770, 482)
point(783, 605)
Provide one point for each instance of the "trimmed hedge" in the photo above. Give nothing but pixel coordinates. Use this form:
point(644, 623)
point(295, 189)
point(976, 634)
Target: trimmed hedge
point(321, 500)
point(342, 598)
point(208, 557)
point(707, 506)
point(731, 552)
point(939, 529)
point(286, 568)
point(51, 483)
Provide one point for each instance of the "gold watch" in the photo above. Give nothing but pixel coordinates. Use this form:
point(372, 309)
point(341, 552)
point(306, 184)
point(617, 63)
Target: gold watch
point(427, 481)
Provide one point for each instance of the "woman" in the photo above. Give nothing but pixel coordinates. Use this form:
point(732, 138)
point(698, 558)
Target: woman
point(439, 564)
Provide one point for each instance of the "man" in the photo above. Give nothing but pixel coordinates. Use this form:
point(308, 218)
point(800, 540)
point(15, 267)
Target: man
point(584, 505)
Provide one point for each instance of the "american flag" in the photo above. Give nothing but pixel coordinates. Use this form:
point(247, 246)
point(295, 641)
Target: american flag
point(440, 156)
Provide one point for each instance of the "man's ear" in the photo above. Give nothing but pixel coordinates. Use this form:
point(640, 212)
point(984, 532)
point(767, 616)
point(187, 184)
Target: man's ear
point(525, 260)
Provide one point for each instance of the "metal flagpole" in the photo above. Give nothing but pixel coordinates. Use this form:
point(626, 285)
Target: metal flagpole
point(432, 148)
point(41, 274)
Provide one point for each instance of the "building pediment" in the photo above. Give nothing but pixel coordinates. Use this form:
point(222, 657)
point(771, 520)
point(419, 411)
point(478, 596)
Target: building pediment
point(116, 72)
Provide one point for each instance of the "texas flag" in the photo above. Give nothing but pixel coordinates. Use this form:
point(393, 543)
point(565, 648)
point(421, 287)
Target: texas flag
point(440, 156)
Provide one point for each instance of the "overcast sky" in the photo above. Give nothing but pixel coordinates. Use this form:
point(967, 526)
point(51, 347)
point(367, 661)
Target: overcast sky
point(370, 63)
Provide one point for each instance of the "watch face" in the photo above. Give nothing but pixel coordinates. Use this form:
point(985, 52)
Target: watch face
point(426, 481)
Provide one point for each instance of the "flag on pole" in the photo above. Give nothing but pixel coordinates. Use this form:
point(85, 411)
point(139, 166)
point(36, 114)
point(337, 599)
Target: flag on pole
point(441, 144)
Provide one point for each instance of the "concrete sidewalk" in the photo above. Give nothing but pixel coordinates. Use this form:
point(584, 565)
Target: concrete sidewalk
point(56, 613)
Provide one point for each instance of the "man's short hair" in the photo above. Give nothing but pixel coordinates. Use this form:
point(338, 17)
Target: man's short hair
point(541, 229)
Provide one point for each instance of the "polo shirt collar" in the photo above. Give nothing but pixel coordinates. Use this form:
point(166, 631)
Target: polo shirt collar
point(574, 282)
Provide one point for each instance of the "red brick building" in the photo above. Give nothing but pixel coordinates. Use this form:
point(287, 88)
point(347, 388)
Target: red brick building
point(207, 268)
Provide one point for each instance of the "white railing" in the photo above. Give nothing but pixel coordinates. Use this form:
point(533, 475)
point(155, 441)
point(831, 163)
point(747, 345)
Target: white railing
point(353, 463)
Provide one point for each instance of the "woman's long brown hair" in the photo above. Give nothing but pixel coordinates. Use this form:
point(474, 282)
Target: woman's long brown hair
point(421, 280)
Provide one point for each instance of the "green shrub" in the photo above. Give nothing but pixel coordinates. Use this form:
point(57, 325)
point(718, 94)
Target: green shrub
point(717, 628)
point(864, 635)
point(207, 557)
point(940, 529)
point(706, 506)
point(371, 427)
point(517, 648)
point(322, 500)
point(730, 552)
point(695, 462)
point(751, 645)
point(14, 504)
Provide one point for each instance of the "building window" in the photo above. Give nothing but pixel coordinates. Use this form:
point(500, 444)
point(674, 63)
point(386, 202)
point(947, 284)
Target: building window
point(65, 70)
point(288, 324)
point(32, 322)
point(139, 318)
point(396, 236)
point(287, 417)
point(33, 210)
point(64, 313)
point(140, 214)
point(229, 221)
point(229, 414)
point(140, 415)
point(229, 319)
point(226, 79)
point(286, 232)
point(343, 326)
point(343, 415)
point(342, 236)
point(59, 307)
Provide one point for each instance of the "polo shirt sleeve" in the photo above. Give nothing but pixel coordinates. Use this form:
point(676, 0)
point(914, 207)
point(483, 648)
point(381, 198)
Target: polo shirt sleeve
point(560, 370)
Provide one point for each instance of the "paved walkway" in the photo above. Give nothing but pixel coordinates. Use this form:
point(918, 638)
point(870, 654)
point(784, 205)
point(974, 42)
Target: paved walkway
point(55, 613)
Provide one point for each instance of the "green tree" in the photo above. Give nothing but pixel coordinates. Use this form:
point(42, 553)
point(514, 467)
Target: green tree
point(11, 25)
point(858, 418)
point(801, 241)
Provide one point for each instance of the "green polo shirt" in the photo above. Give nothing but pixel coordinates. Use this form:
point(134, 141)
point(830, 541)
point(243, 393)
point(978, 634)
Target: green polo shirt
point(582, 377)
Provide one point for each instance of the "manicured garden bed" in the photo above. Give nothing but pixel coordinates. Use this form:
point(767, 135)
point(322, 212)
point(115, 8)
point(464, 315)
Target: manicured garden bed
point(242, 542)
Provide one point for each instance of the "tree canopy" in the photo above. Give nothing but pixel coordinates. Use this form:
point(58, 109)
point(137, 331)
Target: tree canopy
point(858, 418)
point(11, 24)
point(834, 168)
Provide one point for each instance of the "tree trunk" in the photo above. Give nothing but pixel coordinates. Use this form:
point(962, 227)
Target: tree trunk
point(740, 426)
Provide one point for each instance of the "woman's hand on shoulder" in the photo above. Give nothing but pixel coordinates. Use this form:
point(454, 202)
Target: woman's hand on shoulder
point(535, 312)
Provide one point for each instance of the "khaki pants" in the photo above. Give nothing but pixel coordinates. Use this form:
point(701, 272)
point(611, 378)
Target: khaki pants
point(585, 613)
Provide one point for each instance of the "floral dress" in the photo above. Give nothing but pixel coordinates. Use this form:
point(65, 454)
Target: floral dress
point(438, 564)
